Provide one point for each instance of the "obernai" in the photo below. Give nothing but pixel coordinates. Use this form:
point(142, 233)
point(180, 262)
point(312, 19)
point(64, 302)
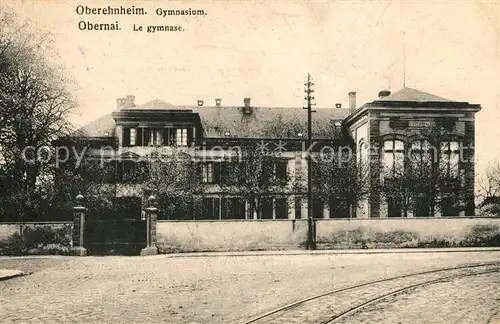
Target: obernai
point(86, 25)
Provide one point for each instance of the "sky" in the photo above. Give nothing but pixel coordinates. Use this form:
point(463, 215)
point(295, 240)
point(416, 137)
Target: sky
point(264, 50)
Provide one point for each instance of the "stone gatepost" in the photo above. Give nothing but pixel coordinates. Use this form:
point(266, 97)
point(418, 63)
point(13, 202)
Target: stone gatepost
point(151, 217)
point(79, 212)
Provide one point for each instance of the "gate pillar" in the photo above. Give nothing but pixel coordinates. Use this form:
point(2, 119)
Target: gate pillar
point(79, 213)
point(151, 217)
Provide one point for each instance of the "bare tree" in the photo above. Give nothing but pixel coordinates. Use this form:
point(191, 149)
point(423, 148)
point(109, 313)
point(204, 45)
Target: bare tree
point(340, 181)
point(34, 110)
point(489, 189)
point(255, 176)
point(429, 176)
point(175, 179)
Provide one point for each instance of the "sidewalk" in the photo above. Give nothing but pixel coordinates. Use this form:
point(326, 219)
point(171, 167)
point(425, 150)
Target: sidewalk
point(329, 252)
point(8, 274)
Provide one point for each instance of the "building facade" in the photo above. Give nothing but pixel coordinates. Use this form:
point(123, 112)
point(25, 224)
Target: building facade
point(381, 133)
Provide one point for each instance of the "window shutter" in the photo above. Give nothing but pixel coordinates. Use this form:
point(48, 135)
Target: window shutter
point(217, 172)
point(172, 136)
point(126, 136)
point(139, 141)
point(281, 172)
point(190, 135)
point(146, 136)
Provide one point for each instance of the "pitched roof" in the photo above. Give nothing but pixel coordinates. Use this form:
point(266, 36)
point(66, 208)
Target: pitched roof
point(156, 104)
point(99, 127)
point(217, 120)
point(413, 95)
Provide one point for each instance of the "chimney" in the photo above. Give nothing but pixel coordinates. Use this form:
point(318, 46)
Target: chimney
point(247, 109)
point(352, 101)
point(130, 101)
point(120, 102)
point(384, 93)
point(200, 103)
point(218, 101)
point(338, 105)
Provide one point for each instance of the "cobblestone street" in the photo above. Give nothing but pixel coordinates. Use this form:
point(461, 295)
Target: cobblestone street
point(222, 289)
point(461, 301)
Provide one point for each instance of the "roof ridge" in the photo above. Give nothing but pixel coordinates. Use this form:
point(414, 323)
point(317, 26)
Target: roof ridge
point(413, 95)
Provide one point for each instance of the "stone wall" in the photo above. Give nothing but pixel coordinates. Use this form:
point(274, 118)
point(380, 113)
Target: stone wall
point(35, 238)
point(407, 232)
point(234, 235)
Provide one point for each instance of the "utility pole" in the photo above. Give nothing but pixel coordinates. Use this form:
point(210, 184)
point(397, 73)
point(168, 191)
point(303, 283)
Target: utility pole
point(309, 98)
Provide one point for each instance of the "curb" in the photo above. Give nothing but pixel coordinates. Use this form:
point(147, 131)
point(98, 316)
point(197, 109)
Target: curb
point(324, 252)
point(13, 275)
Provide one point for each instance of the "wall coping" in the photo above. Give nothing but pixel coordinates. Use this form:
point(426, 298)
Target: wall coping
point(36, 223)
point(227, 220)
point(321, 219)
point(405, 218)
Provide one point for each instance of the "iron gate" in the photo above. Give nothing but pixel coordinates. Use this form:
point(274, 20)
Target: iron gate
point(120, 236)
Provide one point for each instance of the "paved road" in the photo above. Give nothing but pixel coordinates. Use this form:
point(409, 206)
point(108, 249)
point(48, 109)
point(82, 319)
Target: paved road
point(467, 300)
point(210, 290)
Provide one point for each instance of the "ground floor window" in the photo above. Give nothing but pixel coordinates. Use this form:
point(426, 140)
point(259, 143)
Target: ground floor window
point(281, 208)
point(267, 208)
point(449, 206)
point(232, 208)
point(394, 208)
point(422, 207)
point(318, 207)
point(338, 210)
point(211, 208)
point(298, 208)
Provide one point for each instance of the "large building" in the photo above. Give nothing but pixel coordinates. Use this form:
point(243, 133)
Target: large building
point(381, 132)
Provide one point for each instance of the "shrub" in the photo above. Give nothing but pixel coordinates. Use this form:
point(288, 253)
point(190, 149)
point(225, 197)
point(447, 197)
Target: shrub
point(395, 237)
point(38, 240)
point(39, 236)
point(13, 245)
point(435, 243)
point(482, 235)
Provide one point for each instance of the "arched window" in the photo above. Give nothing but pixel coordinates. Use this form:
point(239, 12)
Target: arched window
point(449, 162)
point(393, 158)
point(421, 151)
point(362, 152)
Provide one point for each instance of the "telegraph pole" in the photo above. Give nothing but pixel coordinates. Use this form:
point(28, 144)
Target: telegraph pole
point(309, 98)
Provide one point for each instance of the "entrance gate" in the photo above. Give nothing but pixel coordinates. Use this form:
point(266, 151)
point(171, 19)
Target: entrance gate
point(117, 231)
point(121, 236)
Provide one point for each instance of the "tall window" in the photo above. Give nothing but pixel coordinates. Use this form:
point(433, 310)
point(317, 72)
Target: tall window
point(232, 208)
point(422, 159)
point(298, 207)
point(208, 172)
point(281, 208)
point(267, 208)
point(281, 170)
point(211, 208)
point(393, 160)
point(317, 207)
point(450, 159)
point(421, 153)
point(128, 171)
point(182, 137)
point(393, 157)
point(449, 165)
point(362, 152)
point(132, 136)
point(155, 137)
